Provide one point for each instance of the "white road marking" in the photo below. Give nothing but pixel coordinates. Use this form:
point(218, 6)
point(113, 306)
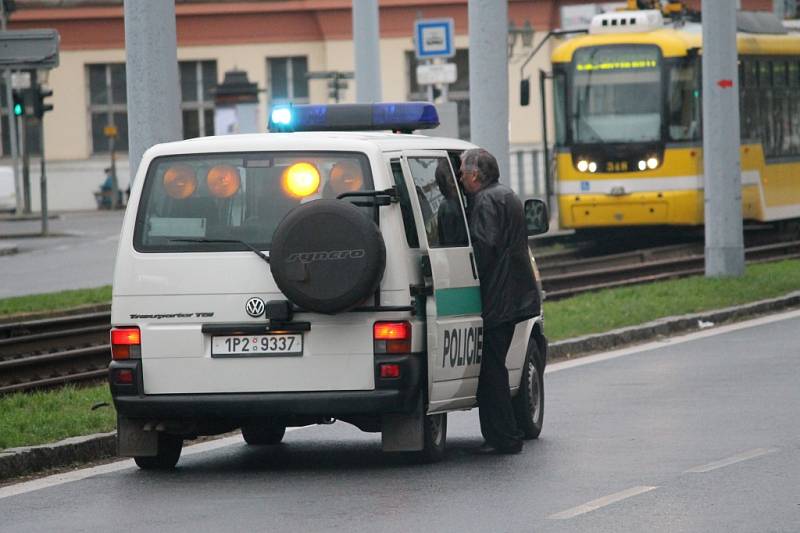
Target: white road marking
point(124, 464)
point(600, 502)
point(669, 341)
point(744, 456)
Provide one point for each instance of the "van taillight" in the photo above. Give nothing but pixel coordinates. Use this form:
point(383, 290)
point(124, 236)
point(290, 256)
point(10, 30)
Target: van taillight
point(392, 337)
point(126, 343)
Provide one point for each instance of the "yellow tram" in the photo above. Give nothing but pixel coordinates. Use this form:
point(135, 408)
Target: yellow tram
point(628, 146)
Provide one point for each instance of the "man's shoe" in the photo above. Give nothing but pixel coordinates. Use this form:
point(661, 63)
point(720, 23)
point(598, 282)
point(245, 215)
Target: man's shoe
point(485, 449)
point(511, 450)
point(488, 449)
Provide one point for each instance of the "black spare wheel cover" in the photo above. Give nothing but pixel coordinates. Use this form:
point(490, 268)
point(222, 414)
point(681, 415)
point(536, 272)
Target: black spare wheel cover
point(327, 256)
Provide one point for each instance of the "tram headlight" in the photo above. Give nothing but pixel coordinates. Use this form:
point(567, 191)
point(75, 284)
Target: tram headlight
point(652, 163)
point(583, 165)
point(643, 165)
point(592, 167)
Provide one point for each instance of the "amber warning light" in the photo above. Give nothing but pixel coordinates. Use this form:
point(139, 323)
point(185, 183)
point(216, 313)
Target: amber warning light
point(180, 181)
point(301, 180)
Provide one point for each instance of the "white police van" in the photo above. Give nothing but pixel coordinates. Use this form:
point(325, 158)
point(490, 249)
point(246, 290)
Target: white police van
point(294, 278)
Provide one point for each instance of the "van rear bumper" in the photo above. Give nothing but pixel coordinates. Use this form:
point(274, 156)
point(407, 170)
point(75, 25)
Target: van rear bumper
point(254, 405)
point(389, 396)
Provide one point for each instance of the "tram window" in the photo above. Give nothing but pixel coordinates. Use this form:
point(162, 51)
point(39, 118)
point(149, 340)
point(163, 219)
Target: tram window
point(764, 73)
point(560, 105)
point(684, 102)
point(794, 74)
point(750, 73)
point(779, 74)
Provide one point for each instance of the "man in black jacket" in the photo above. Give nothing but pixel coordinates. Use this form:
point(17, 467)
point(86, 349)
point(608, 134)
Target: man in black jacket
point(508, 290)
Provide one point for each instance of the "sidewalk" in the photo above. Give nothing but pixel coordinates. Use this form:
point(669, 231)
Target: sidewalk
point(78, 253)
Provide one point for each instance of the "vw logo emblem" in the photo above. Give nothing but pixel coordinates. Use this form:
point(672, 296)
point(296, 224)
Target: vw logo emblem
point(254, 307)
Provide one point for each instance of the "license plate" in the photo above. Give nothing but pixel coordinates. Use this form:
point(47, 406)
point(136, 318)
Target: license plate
point(253, 345)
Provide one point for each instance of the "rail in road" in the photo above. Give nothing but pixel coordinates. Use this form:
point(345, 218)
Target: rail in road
point(54, 351)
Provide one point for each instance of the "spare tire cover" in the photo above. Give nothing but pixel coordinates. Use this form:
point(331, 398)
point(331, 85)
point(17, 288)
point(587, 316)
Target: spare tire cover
point(327, 256)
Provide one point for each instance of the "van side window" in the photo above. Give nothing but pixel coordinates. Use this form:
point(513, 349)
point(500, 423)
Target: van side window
point(440, 202)
point(405, 204)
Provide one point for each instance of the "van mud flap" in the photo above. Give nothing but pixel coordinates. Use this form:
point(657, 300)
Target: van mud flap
point(133, 440)
point(404, 432)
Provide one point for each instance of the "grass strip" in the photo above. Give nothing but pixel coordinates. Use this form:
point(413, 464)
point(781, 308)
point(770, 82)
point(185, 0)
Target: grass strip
point(33, 418)
point(609, 309)
point(54, 301)
point(36, 418)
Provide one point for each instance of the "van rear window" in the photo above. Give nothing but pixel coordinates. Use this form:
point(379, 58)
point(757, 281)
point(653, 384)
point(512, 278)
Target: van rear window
point(188, 200)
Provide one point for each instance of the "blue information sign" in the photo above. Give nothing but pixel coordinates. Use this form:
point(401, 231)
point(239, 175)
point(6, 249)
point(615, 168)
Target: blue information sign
point(434, 38)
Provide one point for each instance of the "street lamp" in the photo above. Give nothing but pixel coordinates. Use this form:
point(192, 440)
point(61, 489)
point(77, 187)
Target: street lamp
point(525, 33)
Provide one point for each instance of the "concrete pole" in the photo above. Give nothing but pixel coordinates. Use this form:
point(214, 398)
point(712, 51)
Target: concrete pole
point(722, 167)
point(779, 8)
point(12, 125)
point(154, 109)
point(488, 79)
point(366, 42)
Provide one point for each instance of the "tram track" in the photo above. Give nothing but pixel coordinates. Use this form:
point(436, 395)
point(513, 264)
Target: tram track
point(54, 350)
point(644, 266)
point(50, 351)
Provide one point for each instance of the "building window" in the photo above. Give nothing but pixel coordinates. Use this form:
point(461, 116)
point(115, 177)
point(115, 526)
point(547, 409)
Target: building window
point(458, 92)
point(198, 78)
point(32, 135)
point(108, 105)
point(287, 80)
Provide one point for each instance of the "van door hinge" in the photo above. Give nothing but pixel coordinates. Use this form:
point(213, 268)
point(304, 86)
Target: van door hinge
point(421, 290)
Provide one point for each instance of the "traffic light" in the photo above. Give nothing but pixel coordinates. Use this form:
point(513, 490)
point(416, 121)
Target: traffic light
point(40, 107)
point(336, 85)
point(19, 103)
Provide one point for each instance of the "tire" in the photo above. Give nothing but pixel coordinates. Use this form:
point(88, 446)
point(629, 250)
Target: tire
point(435, 438)
point(529, 402)
point(263, 435)
point(169, 451)
point(327, 256)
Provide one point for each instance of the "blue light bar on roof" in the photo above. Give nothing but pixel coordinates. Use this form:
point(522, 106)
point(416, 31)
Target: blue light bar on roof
point(403, 117)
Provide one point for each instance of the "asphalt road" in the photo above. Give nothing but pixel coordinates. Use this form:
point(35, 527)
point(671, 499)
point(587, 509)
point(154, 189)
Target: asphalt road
point(698, 433)
point(80, 253)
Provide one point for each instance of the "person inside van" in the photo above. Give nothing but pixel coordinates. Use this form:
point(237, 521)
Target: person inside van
point(449, 223)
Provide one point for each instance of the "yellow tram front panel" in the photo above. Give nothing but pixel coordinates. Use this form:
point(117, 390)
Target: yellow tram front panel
point(673, 193)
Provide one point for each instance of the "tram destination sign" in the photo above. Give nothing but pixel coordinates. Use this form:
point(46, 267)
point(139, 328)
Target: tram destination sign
point(29, 49)
point(616, 58)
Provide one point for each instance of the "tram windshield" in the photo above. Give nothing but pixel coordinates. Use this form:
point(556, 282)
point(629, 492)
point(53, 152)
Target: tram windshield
point(616, 94)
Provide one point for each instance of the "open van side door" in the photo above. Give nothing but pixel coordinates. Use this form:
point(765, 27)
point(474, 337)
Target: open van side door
point(453, 305)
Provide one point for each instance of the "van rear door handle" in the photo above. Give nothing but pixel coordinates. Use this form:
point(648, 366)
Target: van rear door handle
point(472, 264)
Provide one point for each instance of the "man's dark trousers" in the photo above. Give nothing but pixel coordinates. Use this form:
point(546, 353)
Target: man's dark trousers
point(498, 424)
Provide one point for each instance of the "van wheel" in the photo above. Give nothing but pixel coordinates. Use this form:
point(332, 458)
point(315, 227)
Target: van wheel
point(263, 435)
point(434, 438)
point(529, 402)
point(169, 451)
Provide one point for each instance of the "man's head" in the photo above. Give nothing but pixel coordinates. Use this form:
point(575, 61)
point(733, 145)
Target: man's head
point(478, 169)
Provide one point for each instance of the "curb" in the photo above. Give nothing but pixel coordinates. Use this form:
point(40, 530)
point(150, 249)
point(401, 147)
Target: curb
point(667, 326)
point(16, 462)
point(8, 249)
